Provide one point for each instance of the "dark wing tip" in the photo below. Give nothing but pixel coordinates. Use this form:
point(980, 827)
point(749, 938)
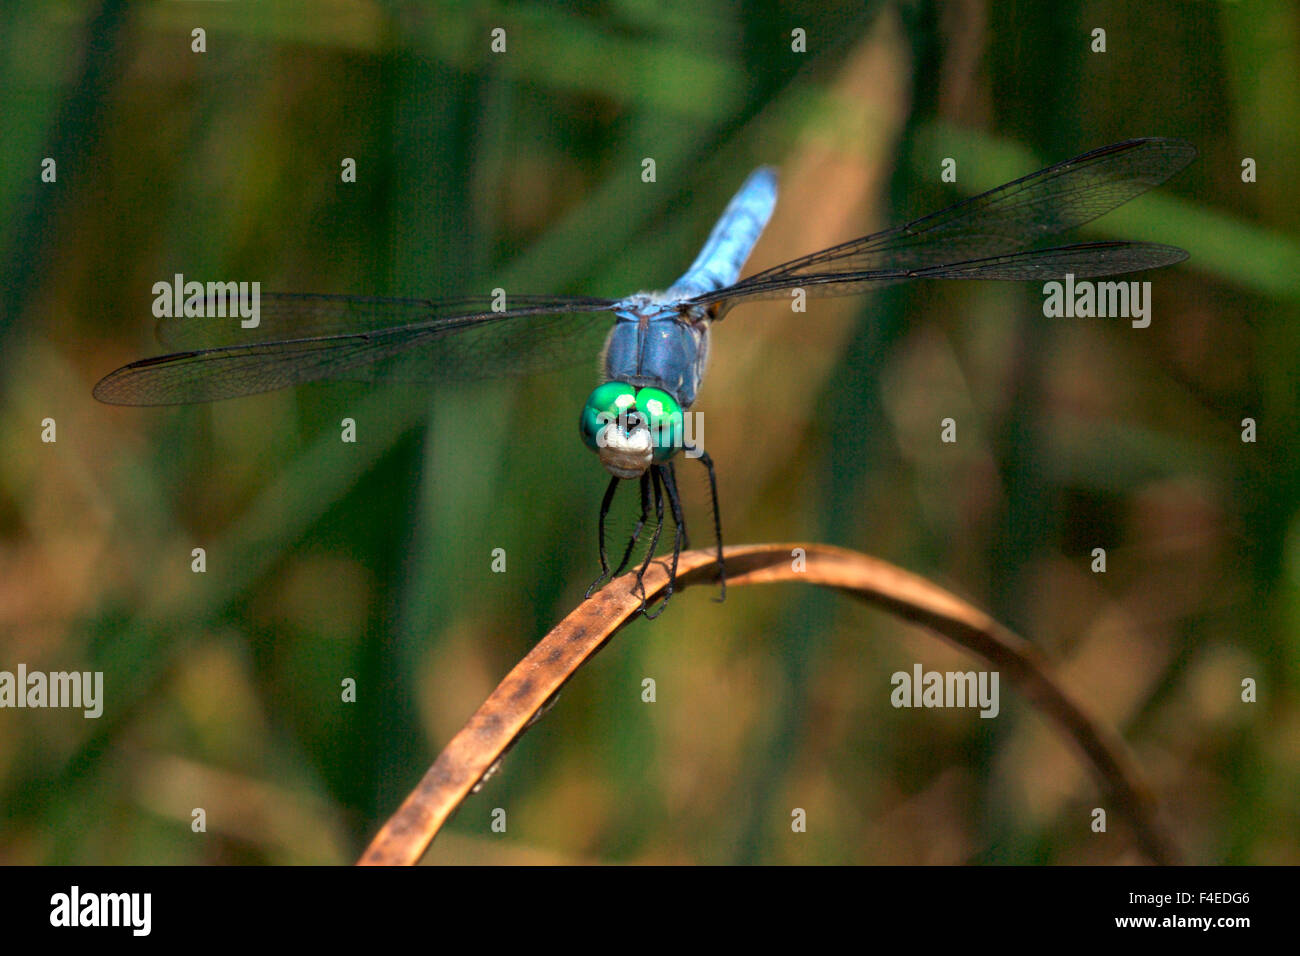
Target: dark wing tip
point(128, 385)
point(1179, 151)
point(115, 389)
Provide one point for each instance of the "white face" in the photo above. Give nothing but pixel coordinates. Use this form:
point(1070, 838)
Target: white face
point(625, 454)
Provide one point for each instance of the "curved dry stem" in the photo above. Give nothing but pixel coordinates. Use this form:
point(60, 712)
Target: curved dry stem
point(525, 691)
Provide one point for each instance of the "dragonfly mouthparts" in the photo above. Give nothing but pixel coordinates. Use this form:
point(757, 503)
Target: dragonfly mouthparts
point(626, 454)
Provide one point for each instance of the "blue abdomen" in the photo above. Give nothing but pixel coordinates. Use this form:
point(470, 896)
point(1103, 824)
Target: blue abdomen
point(719, 263)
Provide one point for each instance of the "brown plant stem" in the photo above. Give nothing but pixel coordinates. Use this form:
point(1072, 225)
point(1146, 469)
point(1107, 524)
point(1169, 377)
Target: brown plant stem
point(536, 679)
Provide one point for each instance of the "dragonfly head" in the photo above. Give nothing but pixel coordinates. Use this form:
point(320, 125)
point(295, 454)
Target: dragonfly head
point(631, 428)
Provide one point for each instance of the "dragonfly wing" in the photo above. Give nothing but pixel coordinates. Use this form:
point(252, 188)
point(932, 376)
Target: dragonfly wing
point(315, 338)
point(1082, 260)
point(999, 222)
point(293, 315)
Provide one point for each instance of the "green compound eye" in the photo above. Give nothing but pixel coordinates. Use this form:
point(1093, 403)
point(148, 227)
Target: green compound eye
point(604, 405)
point(664, 416)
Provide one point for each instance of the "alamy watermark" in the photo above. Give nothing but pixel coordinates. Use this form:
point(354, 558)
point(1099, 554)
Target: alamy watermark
point(922, 688)
point(686, 433)
point(213, 300)
point(83, 690)
point(1086, 299)
point(126, 910)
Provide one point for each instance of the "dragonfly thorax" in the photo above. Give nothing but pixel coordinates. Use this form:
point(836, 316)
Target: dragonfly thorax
point(631, 428)
point(659, 343)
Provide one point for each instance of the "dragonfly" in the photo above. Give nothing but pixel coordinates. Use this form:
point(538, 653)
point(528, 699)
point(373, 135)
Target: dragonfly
point(656, 344)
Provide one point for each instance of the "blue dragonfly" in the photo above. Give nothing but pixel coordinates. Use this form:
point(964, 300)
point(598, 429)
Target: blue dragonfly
point(657, 346)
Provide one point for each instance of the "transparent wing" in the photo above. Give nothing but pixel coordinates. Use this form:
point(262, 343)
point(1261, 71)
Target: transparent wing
point(310, 338)
point(1084, 260)
point(1002, 221)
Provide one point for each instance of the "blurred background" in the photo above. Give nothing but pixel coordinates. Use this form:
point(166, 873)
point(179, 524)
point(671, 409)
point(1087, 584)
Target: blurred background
point(523, 169)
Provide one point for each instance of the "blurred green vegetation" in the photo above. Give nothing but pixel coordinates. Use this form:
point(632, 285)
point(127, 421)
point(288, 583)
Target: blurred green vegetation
point(372, 560)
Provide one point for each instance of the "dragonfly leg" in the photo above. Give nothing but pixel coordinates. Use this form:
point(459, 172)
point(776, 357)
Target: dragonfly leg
point(679, 536)
point(640, 523)
point(654, 537)
point(604, 511)
point(717, 522)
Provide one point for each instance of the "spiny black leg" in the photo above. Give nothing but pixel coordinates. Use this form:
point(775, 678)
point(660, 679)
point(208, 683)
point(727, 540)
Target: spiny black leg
point(604, 511)
point(679, 514)
point(640, 523)
point(679, 522)
point(654, 538)
point(717, 522)
point(686, 532)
